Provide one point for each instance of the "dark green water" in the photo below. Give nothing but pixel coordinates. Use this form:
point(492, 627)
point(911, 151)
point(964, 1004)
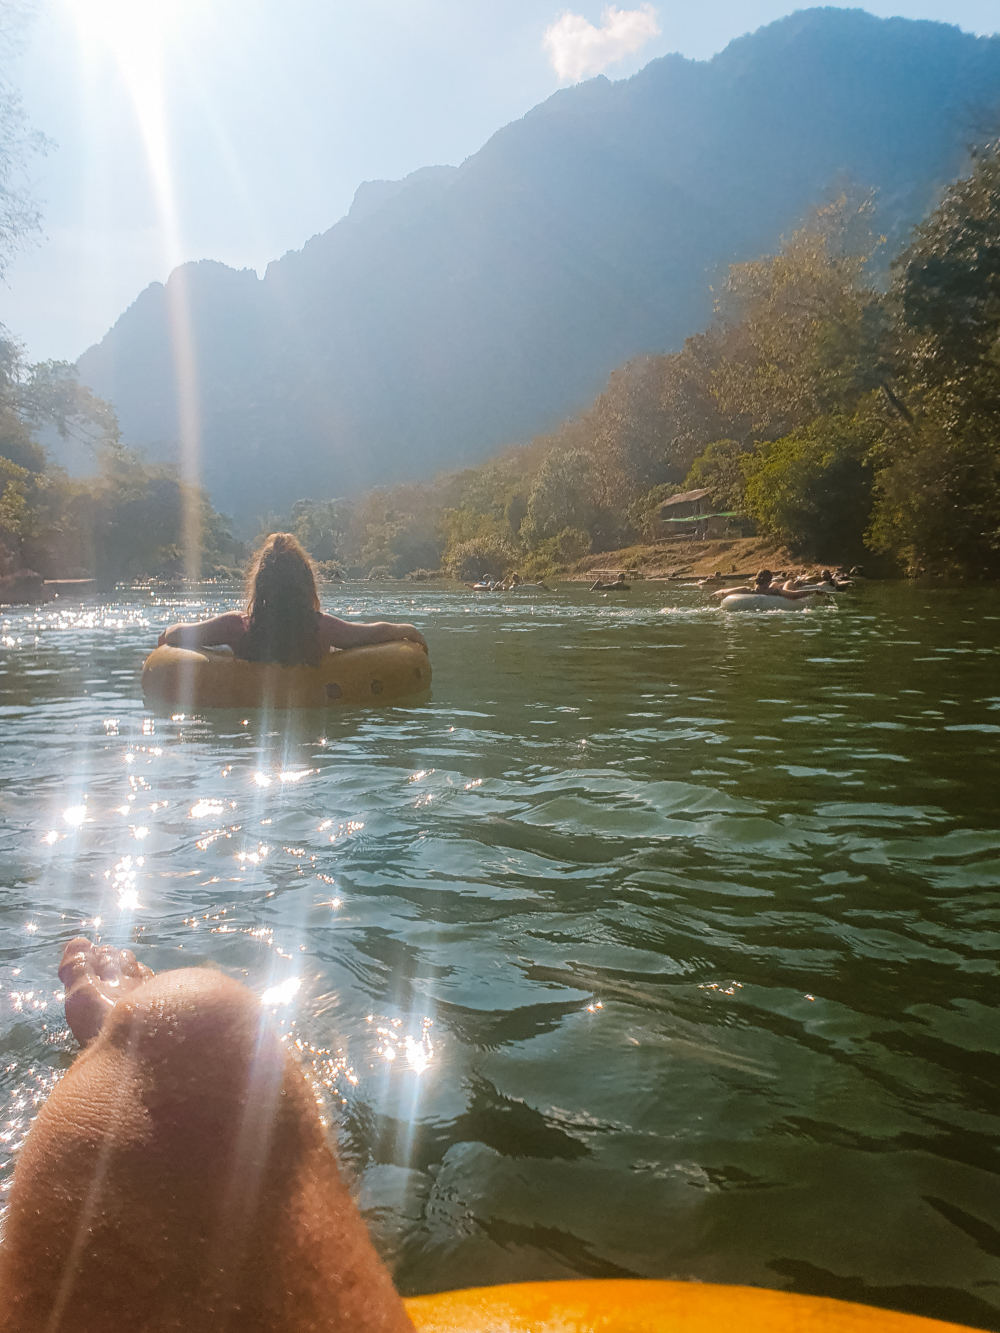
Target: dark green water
point(659, 942)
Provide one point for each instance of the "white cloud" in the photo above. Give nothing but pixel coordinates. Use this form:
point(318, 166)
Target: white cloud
point(577, 49)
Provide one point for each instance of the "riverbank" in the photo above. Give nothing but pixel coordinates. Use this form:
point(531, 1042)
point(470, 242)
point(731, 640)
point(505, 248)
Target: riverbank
point(682, 558)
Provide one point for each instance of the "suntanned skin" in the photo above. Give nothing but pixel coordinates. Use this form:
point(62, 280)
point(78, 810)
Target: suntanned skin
point(179, 1177)
point(769, 590)
point(229, 629)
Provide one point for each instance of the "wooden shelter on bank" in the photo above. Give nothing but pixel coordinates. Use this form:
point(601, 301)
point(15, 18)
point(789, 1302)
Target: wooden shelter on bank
point(691, 515)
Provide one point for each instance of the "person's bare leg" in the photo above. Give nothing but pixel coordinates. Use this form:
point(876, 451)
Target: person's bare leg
point(179, 1176)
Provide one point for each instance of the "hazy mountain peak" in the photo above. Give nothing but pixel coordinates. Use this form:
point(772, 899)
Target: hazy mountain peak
point(463, 308)
point(371, 195)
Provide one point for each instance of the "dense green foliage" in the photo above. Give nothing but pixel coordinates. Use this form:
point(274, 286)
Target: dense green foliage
point(125, 521)
point(939, 483)
point(812, 489)
point(855, 421)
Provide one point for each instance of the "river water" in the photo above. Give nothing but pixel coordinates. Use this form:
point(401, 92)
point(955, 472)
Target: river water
point(659, 942)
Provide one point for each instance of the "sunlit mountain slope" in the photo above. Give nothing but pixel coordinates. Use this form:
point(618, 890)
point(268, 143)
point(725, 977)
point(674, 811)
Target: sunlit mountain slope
point(466, 308)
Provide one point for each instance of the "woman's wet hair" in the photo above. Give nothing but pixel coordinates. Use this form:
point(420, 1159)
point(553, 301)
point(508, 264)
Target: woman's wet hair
point(764, 576)
point(282, 605)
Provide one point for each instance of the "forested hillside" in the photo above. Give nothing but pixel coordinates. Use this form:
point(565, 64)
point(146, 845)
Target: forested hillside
point(126, 519)
point(468, 308)
point(850, 421)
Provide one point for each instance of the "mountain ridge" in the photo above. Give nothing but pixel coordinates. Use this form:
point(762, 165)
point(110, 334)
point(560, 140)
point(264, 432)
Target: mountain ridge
point(463, 308)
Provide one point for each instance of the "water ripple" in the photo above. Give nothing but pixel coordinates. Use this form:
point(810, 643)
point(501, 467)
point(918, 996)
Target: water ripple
point(659, 942)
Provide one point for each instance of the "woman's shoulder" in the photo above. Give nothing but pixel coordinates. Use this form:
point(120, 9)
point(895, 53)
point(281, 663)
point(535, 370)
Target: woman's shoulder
point(231, 620)
point(230, 627)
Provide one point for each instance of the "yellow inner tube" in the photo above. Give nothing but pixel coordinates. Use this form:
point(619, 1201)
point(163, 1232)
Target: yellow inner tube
point(647, 1306)
point(381, 673)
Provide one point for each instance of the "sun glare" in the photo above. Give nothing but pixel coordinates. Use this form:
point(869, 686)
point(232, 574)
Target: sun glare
point(284, 993)
point(121, 22)
point(135, 35)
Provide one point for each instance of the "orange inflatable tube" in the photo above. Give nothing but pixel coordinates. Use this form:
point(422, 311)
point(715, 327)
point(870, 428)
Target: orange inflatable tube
point(191, 678)
point(647, 1306)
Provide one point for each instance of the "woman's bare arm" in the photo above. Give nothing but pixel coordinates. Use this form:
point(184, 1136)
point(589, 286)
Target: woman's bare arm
point(225, 629)
point(336, 633)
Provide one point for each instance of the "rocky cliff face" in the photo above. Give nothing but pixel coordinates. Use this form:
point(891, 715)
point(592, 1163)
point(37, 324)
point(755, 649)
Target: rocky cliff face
point(462, 309)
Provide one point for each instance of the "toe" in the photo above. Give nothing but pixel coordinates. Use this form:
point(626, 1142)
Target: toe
point(95, 977)
point(86, 1010)
point(76, 961)
point(133, 969)
point(77, 945)
point(107, 963)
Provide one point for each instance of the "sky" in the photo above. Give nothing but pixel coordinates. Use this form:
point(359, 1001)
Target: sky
point(236, 129)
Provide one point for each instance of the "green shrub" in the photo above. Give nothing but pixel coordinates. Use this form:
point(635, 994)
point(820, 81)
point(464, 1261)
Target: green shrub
point(812, 490)
point(481, 558)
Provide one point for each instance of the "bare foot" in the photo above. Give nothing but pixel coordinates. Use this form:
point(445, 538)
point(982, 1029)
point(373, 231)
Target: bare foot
point(94, 978)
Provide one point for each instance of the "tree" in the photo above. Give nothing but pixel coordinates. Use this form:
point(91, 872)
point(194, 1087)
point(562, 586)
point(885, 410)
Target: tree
point(49, 393)
point(938, 483)
point(516, 511)
point(322, 526)
point(802, 328)
point(19, 214)
point(16, 441)
point(948, 294)
point(812, 489)
point(719, 470)
point(938, 499)
point(631, 433)
point(395, 529)
point(482, 558)
point(127, 520)
point(562, 497)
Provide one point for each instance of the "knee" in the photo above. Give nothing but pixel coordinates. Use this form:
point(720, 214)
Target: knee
point(191, 1014)
point(198, 1045)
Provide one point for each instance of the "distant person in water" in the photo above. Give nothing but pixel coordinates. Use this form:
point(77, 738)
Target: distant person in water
point(283, 622)
point(619, 585)
point(836, 582)
point(764, 586)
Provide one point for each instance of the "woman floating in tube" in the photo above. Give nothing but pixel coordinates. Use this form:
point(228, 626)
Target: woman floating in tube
point(283, 622)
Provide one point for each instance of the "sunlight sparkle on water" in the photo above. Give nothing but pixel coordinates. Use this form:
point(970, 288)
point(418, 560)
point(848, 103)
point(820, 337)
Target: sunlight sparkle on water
point(420, 1051)
point(262, 780)
point(283, 993)
point(123, 878)
point(206, 806)
point(253, 858)
point(75, 815)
